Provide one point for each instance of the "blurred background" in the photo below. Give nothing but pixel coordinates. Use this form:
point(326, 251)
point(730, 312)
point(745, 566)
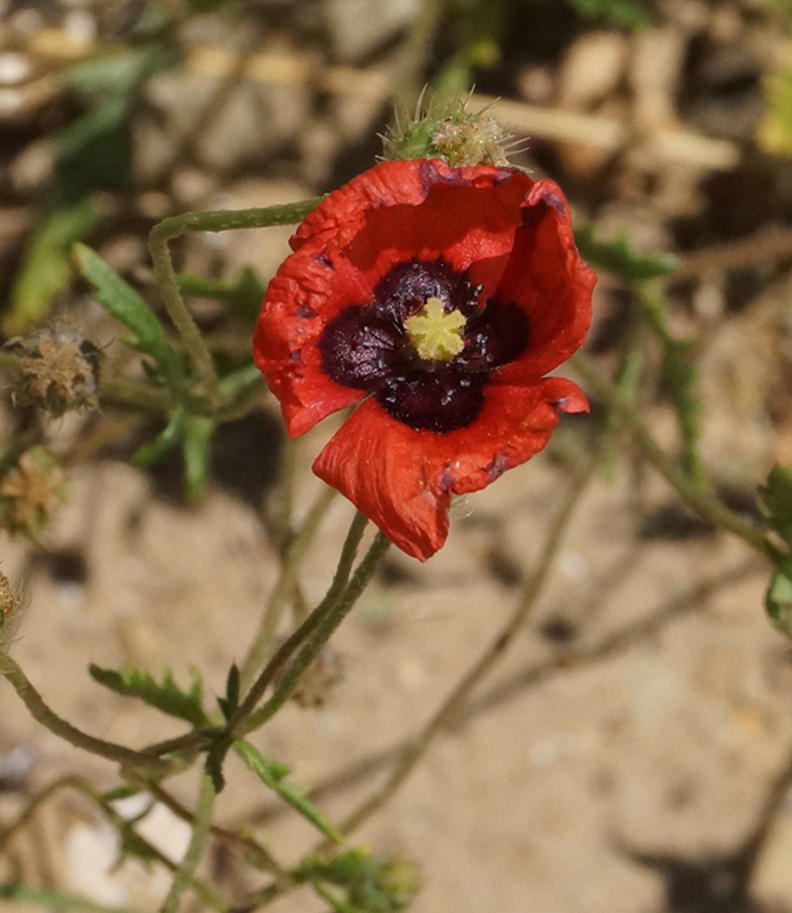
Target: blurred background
point(634, 751)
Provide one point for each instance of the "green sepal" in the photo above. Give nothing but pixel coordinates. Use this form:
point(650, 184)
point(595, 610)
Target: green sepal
point(124, 303)
point(272, 774)
point(621, 258)
point(167, 697)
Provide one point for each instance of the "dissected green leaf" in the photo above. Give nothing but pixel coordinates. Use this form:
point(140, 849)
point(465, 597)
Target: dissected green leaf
point(229, 704)
point(124, 303)
point(272, 774)
point(57, 901)
point(168, 697)
point(373, 884)
point(621, 258)
point(46, 267)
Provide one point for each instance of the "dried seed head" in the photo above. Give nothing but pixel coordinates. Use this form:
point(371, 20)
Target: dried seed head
point(31, 491)
point(60, 371)
point(452, 133)
point(8, 605)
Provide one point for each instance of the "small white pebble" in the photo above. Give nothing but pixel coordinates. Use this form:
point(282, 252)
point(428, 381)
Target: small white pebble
point(14, 67)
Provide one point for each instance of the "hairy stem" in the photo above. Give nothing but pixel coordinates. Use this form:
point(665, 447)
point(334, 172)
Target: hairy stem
point(691, 493)
point(201, 825)
point(416, 749)
point(327, 624)
point(42, 713)
point(333, 595)
point(262, 645)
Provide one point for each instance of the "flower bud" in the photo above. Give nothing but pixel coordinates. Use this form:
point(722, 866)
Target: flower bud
point(31, 491)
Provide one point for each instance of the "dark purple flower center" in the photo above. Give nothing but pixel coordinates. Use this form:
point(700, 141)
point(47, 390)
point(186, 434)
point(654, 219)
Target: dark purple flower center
point(367, 347)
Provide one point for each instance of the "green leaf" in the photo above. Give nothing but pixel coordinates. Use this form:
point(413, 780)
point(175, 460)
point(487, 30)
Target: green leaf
point(229, 704)
point(243, 296)
point(272, 774)
point(46, 271)
point(778, 602)
point(776, 502)
point(124, 303)
point(45, 898)
point(120, 792)
point(197, 453)
point(166, 440)
point(621, 258)
point(627, 14)
point(167, 696)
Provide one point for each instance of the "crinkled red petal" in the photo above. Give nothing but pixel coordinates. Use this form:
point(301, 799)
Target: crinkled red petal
point(547, 278)
point(307, 293)
point(426, 209)
point(403, 479)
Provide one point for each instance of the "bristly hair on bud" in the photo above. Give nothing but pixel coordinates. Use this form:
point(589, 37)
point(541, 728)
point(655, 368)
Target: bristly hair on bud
point(450, 132)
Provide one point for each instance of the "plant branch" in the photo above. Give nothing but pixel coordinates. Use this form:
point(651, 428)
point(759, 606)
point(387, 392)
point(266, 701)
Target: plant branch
point(416, 749)
point(691, 493)
point(44, 715)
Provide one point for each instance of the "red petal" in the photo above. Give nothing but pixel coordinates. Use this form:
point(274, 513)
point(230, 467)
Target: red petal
point(547, 278)
point(304, 296)
point(417, 208)
point(381, 465)
point(403, 479)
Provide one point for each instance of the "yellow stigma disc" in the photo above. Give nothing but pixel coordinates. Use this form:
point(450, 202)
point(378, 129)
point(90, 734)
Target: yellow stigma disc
point(435, 334)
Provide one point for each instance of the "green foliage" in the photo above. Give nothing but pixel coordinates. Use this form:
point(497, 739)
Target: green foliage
point(775, 502)
point(243, 295)
point(55, 901)
point(198, 432)
point(46, 266)
point(620, 258)
point(229, 704)
point(167, 697)
point(124, 303)
point(164, 442)
point(372, 884)
point(626, 14)
point(775, 131)
point(95, 151)
point(272, 774)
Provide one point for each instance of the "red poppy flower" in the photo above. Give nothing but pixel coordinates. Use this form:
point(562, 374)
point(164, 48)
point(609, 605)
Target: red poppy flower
point(437, 298)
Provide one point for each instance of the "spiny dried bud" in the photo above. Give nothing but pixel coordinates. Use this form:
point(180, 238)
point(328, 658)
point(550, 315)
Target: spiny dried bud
point(60, 371)
point(31, 491)
point(452, 133)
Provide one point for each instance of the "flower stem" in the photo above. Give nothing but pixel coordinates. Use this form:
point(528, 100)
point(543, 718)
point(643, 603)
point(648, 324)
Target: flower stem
point(42, 713)
point(168, 284)
point(201, 825)
point(334, 593)
point(288, 577)
point(687, 488)
point(326, 624)
point(416, 749)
